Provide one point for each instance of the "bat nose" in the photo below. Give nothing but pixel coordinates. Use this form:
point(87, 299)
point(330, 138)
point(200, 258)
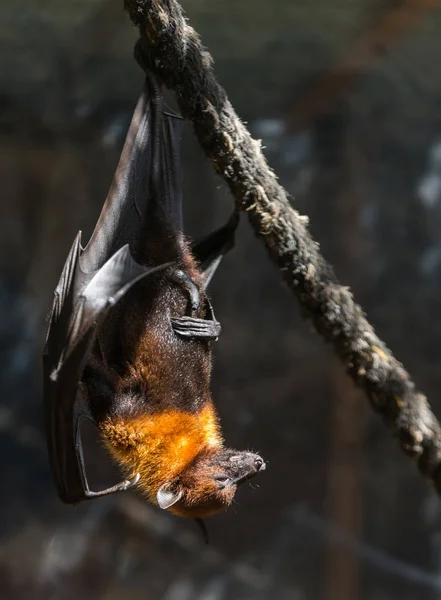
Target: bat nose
point(259, 464)
point(248, 461)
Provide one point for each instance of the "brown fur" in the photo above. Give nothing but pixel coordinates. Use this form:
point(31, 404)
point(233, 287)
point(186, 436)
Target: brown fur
point(202, 496)
point(157, 417)
point(162, 445)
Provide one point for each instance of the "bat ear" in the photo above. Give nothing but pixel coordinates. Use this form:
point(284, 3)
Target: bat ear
point(167, 497)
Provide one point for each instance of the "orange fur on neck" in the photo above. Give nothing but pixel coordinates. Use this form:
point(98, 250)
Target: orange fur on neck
point(159, 446)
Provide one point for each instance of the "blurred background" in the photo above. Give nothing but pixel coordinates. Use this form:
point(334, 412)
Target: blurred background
point(346, 96)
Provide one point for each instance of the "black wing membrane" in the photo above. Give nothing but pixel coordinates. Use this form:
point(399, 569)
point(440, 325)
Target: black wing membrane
point(145, 194)
point(146, 187)
point(96, 278)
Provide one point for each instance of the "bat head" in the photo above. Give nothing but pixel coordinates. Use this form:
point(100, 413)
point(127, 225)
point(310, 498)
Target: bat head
point(209, 483)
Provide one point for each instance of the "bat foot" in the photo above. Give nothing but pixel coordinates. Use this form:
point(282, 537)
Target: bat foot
point(190, 327)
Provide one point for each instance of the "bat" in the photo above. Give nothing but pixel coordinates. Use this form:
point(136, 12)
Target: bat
point(130, 337)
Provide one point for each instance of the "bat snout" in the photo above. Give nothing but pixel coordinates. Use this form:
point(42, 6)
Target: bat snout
point(246, 465)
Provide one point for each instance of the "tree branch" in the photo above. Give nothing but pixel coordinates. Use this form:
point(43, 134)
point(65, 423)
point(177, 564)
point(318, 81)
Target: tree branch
point(179, 59)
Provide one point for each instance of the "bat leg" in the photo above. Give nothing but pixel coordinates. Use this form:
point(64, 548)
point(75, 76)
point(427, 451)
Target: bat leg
point(83, 413)
point(190, 326)
point(141, 57)
point(210, 250)
point(183, 279)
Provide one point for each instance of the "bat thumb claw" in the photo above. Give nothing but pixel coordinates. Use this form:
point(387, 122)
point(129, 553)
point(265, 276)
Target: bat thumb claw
point(128, 483)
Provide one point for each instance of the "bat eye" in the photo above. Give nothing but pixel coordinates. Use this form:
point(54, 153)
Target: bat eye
point(222, 481)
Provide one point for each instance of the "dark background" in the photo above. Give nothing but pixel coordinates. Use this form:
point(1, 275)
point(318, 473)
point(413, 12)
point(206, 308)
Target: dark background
point(346, 95)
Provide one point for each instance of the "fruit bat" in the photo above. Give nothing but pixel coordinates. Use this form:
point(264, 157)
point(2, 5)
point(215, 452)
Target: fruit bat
point(130, 337)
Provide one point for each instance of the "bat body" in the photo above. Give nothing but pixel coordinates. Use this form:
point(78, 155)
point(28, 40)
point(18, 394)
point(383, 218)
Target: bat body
point(130, 336)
